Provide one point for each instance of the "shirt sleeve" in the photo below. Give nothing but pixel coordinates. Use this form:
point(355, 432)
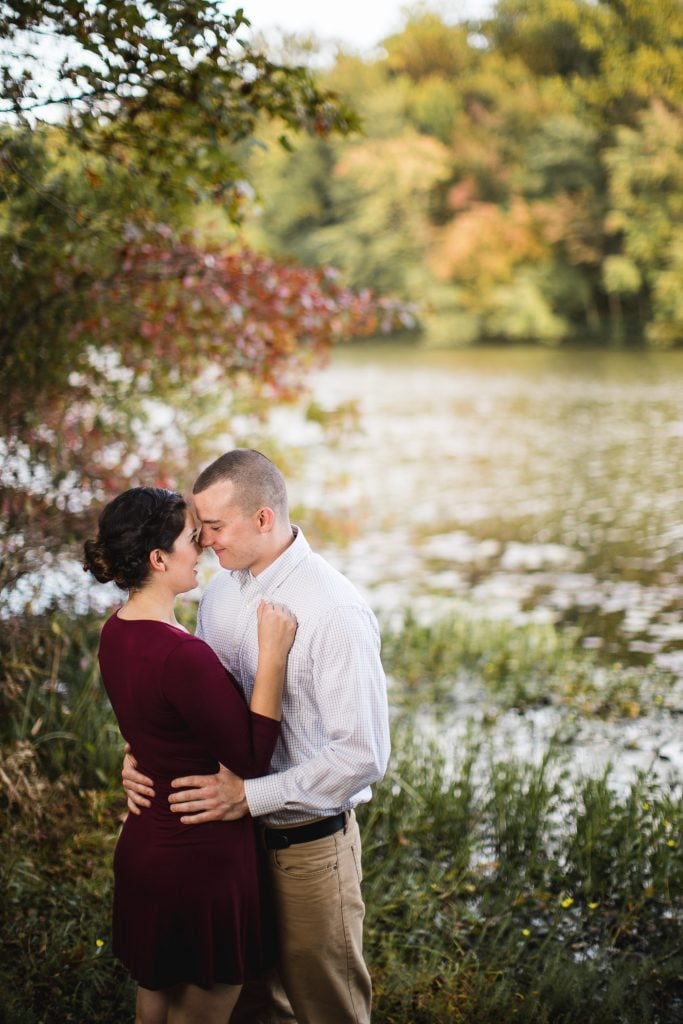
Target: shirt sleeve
point(208, 699)
point(350, 687)
point(199, 628)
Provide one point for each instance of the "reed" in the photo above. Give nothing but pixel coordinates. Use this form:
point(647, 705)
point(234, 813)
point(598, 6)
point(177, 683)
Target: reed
point(52, 700)
point(508, 896)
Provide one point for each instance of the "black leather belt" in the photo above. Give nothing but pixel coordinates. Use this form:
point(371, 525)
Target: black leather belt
point(281, 838)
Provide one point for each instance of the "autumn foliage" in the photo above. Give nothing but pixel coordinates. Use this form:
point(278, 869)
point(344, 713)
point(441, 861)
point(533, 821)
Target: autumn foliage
point(209, 330)
point(208, 305)
point(519, 177)
point(129, 336)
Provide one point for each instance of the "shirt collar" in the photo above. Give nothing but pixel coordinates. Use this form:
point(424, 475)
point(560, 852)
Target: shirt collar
point(275, 574)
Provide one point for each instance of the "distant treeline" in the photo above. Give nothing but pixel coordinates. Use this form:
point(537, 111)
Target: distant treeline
point(520, 179)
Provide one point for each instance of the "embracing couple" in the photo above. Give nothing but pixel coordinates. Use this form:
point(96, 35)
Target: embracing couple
point(237, 876)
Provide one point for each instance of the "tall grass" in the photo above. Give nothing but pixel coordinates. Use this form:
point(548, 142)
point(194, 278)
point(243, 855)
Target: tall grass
point(55, 894)
point(485, 904)
point(496, 889)
point(52, 700)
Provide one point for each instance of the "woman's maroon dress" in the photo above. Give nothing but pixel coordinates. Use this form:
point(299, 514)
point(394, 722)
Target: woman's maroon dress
point(186, 897)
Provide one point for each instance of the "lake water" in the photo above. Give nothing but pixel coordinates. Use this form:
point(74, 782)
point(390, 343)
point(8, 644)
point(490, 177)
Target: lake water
point(532, 484)
point(528, 484)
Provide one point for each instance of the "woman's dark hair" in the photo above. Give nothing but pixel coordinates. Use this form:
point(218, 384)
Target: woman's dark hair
point(133, 524)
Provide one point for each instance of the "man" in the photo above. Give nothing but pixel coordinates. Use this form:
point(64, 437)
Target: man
point(334, 740)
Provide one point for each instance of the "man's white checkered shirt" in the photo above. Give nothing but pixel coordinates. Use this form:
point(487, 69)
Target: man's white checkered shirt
point(334, 740)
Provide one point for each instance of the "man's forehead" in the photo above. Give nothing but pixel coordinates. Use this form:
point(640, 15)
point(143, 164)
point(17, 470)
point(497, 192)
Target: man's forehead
point(215, 503)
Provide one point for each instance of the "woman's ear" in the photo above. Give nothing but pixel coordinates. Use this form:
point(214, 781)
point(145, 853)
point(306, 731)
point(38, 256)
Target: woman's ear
point(156, 560)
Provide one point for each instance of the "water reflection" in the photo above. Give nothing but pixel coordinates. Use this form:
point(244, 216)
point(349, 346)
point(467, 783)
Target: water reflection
point(536, 484)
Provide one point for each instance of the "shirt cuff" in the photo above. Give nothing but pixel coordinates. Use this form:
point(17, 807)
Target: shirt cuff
point(263, 795)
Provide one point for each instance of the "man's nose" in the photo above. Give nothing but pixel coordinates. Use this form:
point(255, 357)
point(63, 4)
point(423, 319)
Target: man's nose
point(203, 540)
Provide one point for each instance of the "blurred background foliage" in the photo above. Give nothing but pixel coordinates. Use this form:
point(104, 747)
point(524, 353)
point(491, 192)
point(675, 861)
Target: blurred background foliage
point(134, 321)
point(520, 179)
point(188, 222)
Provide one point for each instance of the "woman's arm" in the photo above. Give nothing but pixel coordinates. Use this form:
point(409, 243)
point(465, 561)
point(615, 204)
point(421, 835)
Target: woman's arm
point(276, 630)
point(210, 702)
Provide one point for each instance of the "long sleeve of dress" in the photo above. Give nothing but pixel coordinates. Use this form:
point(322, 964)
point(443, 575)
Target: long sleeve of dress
point(209, 701)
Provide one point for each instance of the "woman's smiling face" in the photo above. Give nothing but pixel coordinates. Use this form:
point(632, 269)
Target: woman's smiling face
point(181, 561)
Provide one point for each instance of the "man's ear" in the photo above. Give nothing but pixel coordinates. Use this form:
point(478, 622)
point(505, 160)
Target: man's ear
point(265, 517)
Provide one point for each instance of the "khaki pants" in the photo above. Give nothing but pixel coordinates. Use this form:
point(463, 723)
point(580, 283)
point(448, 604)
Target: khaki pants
point(319, 912)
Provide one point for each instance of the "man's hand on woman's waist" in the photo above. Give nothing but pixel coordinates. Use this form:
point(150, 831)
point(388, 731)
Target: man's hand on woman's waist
point(201, 798)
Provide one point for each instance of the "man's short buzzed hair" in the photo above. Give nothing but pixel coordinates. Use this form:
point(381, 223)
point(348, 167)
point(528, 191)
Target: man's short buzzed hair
point(257, 480)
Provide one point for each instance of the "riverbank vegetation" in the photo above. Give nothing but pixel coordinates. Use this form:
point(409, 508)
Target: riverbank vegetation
point(518, 178)
point(497, 887)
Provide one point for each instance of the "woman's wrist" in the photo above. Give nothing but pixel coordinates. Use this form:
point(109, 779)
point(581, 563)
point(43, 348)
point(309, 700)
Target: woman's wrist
point(273, 662)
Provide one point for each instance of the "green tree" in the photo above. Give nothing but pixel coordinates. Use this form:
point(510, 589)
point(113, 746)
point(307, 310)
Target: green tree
point(384, 190)
point(646, 216)
point(111, 308)
point(157, 101)
point(617, 55)
point(133, 80)
point(297, 197)
point(427, 47)
point(505, 230)
point(368, 206)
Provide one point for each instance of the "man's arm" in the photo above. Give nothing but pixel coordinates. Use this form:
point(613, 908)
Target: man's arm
point(217, 797)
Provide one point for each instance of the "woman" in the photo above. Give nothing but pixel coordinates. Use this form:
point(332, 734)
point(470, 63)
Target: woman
point(186, 900)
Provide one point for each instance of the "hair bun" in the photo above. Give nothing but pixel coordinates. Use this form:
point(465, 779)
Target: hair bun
point(130, 526)
point(96, 561)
